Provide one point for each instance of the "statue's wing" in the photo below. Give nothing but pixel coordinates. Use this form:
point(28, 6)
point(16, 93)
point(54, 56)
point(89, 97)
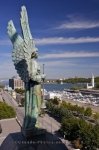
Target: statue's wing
point(25, 25)
point(29, 42)
point(29, 45)
point(20, 55)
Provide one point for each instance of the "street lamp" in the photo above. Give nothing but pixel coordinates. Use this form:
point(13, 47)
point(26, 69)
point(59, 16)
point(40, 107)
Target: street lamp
point(43, 105)
point(43, 82)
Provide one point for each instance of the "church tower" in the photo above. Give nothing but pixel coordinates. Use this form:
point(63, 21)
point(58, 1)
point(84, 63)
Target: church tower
point(93, 82)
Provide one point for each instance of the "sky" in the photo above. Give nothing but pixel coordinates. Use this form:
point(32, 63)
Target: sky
point(66, 33)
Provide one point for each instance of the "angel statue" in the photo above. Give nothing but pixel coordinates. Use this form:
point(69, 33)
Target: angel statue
point(24, 56)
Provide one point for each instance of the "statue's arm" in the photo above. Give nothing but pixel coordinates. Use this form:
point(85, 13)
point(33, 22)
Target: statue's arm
point(38, 77)
point(36, 74)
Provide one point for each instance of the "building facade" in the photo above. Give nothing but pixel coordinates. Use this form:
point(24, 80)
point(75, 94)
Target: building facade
point(16, 83)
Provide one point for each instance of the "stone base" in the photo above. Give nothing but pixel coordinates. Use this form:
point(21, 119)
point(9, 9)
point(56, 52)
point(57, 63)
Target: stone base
point(16, 141)
point(33, 132)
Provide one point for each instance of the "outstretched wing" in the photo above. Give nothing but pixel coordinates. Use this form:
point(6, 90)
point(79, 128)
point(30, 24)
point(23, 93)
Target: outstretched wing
point(29, 45)
point(25, 25)
point(22, 47)
point(26, 31)
point(18, 53)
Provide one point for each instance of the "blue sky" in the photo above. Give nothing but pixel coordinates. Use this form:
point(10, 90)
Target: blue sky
point(66, 32)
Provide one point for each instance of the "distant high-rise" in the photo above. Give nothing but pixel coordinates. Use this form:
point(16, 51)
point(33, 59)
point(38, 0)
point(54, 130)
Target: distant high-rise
point(16, 83)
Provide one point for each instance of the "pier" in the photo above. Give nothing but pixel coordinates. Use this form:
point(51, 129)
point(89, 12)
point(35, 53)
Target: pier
point(93, 92)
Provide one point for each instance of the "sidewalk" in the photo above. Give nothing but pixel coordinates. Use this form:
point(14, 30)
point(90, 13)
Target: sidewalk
point(8, 126)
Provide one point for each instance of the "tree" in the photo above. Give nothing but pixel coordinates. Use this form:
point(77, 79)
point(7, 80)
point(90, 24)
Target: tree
point(96, 135)
point(6, 111)
point(88, 112)
point(84, 135)
point(55, 101)
point(77, 143)
point(20, 91)
point(97, 85)
point(96, 116)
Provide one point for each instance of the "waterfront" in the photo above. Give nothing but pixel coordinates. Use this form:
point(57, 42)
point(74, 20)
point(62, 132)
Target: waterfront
point(63, 92)
point(61, 87)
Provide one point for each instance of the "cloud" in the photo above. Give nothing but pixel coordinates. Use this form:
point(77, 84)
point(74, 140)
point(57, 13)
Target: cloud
point(69, 68)
point(78, 25)
point(63, 40)
point(7, 69)
point(68, 54)
point(78, 22)
point(5, 42)
point(58, 63)
point(59, 40)
point(8, 55)
point(57, 68)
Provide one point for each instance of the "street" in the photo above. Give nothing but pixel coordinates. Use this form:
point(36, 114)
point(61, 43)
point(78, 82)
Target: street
point(45, 122)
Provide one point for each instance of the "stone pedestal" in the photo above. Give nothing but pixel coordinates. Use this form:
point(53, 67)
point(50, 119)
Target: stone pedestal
point(33, 132)
point(46, 141)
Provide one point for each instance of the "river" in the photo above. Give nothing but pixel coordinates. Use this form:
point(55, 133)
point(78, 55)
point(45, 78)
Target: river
point(61, 87)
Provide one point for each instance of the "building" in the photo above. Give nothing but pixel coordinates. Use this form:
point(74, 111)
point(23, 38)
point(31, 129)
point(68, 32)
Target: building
point(92, 84)
point(52, 95)
point(16, 83)
point(61, 81)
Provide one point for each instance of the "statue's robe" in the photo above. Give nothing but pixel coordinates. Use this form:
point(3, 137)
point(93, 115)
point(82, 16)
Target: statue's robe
point(33, 97)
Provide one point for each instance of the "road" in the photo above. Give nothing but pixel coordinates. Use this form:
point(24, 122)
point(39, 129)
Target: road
point(45, 122)
point(10, 101)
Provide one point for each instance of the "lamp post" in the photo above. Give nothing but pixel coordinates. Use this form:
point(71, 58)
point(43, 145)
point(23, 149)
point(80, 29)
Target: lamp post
point(43, 83)
point(43, 90)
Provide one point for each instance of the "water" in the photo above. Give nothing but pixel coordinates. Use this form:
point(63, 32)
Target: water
point(58, 87)
point(61, 87)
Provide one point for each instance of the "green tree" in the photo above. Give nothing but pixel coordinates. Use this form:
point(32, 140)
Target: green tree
point(55, 101)
point(96, 116)
point(88, 112)
point(20, 91)
point(6, 111)
point(97, 85)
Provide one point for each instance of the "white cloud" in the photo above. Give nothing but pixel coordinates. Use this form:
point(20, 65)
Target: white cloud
point(58, 63)
point(78, 25)
point(5, 55)
point(70, 55)
point(78, 22)
point(58, 40)
point(62, 40)
point(55, 68)
point(5, 42)
point(7, 69)
point(64, 68)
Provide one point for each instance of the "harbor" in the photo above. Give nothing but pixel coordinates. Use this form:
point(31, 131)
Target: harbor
point(83, 97)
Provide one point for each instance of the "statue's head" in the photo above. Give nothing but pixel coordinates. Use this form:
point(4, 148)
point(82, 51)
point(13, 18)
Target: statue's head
point(34, 54)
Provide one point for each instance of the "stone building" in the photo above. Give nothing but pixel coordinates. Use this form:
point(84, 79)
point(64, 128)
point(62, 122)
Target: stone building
point(16, 83)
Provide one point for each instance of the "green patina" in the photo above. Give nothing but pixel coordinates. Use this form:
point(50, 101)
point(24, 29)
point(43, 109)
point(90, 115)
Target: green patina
point(24, 56)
